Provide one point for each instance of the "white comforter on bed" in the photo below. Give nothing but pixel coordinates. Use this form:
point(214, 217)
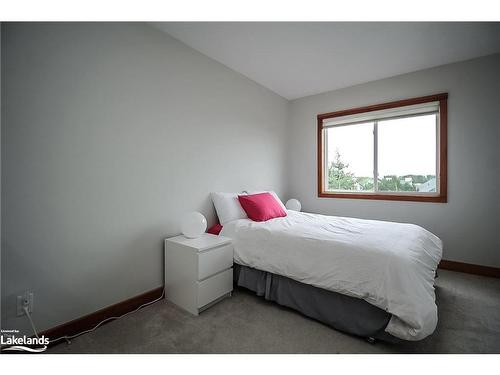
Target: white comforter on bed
point(390, 265)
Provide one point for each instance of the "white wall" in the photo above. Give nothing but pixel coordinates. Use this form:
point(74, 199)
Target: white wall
point(110, 133)
point(469, 222)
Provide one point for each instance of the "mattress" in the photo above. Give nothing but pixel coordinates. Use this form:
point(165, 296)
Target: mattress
point(389, 265)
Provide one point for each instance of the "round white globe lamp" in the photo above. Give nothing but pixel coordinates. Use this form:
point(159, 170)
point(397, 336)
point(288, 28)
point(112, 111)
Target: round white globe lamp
point(293, 204)
point(193, 224)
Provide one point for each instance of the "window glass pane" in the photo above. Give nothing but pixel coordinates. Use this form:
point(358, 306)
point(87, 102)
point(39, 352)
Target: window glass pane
point(407, 154)
point(350, 157)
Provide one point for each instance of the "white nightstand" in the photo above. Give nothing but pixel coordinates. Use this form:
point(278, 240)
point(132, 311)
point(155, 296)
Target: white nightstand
point(198, 272)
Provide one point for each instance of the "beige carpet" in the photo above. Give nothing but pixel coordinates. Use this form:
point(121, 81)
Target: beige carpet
point(469, 322)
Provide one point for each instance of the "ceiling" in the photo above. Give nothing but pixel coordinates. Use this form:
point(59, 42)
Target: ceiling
point(303, 58)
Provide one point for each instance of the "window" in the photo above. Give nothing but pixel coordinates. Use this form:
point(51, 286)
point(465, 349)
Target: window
point(392, 151)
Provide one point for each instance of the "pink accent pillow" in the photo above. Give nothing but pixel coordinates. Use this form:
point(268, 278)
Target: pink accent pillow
point(215, 229)
point(261, 207)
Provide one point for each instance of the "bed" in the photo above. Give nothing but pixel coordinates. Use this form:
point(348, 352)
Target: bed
point(369, 278)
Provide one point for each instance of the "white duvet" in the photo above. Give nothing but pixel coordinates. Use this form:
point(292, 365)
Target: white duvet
point(390, 265)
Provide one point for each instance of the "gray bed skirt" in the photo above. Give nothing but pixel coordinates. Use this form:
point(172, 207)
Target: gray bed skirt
point(344, 313)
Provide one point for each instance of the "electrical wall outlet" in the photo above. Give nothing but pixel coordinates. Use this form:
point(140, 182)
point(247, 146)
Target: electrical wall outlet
point(25, 299)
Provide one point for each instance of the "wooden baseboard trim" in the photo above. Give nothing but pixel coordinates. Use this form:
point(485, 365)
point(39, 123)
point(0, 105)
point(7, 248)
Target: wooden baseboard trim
point(91, 320)
point(469, 268)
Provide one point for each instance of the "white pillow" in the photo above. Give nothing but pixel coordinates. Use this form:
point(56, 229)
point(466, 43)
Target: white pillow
point(228, 207)
point(274, 195)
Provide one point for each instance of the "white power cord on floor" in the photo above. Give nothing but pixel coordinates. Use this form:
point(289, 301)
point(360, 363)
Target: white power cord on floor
point(26, 311)
point(68, 338)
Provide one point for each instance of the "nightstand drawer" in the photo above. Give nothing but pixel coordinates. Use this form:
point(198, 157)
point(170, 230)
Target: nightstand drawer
point(215, 260)
point(214, 287)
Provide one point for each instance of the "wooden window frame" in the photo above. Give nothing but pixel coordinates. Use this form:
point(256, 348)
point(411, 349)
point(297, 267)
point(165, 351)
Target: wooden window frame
point(438, 197)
